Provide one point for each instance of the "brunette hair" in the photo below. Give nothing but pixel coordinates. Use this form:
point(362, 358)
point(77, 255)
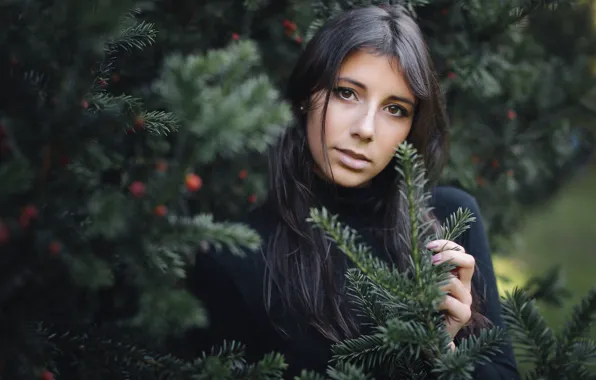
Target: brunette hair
point(297, 258)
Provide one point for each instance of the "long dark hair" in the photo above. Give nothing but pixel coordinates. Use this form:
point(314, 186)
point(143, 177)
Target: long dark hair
point(297, 256)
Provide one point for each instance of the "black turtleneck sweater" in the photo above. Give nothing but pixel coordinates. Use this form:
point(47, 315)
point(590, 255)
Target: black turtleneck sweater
point(231, 289)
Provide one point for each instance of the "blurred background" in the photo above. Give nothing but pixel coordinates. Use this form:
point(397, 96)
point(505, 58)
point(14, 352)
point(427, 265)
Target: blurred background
point(133, 133)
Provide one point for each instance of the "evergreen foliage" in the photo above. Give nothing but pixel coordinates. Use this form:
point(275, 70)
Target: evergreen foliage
point(408, 339)
point(95, 230)
point(122, 123)
point(566, 355)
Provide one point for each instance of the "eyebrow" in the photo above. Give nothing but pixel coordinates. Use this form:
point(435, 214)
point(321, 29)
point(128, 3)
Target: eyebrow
point(392, 97)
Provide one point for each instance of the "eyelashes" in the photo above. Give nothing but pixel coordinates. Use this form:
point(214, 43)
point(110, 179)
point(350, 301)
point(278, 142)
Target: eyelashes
point(341, 91)
point(348, 94)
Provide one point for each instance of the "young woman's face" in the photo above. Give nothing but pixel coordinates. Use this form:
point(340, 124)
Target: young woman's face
point(369, 114)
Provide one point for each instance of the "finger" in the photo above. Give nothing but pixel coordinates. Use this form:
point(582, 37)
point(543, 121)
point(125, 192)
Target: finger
point(457, 310)
point(458, 290)
point(444, 245)
point(464, 262)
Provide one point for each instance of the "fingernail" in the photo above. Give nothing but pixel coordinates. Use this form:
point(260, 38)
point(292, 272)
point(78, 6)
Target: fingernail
point(436, 258)
point(432, 245)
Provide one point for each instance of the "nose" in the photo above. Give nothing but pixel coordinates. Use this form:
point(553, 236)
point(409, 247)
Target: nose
point(364, 127)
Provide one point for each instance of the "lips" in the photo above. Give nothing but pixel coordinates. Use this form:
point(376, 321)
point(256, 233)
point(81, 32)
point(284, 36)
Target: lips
point(357, 156)
point(352, 160)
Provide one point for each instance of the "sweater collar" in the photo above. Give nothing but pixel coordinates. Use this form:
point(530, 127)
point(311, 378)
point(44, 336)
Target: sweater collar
point(351, 202)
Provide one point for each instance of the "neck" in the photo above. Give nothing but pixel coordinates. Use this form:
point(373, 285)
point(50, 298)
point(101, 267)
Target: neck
point(361, 203)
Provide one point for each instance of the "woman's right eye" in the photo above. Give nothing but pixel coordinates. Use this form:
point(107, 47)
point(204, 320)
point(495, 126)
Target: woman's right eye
point(345, 93)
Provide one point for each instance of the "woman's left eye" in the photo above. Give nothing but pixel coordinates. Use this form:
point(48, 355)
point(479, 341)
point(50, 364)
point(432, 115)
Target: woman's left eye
point(396, 110)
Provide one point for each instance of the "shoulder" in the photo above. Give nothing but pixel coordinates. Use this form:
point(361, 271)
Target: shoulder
point(447, 199)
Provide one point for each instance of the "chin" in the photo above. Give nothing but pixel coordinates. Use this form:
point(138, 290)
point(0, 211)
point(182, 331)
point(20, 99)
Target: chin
point(348, 178)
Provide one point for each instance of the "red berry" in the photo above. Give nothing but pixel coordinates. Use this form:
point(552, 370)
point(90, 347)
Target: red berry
point(139, 122)
point(193, 182)
point(161, 210)
point(103, 83)
point(235, 36)
point(451, 75)
point(161, 166)
point(299, 39)
point(252, 198)
point(30, 211)
point(55, 248)
point(510, 172)
point(84, 104)
point(47, 375)
point(289, 25)
point(511, 114)
point(137, 188)
point(243, 174)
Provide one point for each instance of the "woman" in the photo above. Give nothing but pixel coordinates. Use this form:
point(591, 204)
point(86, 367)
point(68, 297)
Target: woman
point(364, 84)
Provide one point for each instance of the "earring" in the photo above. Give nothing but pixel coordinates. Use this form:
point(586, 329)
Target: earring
point(301, 108)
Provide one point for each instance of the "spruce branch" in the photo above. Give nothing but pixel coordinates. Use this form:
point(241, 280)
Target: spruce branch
point(581, 319)
point(581, 352)
point(345, 238)
point(528, 327)
point(202, 89)
point(369, 301)
point(369, 350)
point(106, 102)
point(202, 227)
point(418, 335)
point(159, 122)
point(412, 179)
point(347, 371)
point(270, 367)
point(475, 350)
point(309, 375)
point(136, 35)
point(456, 224)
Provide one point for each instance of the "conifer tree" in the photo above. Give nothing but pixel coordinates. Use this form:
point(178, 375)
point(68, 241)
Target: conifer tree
point(95, 231)
point(103, 197)
point(567, 355)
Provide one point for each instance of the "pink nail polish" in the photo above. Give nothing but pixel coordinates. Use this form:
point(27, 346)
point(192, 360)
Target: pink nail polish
point(432, 245)
point(436, 258)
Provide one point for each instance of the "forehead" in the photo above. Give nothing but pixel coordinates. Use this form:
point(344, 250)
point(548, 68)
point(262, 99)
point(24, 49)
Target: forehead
point(379, 71)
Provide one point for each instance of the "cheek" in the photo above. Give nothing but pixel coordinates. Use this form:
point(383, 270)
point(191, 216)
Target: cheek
point(390, 138)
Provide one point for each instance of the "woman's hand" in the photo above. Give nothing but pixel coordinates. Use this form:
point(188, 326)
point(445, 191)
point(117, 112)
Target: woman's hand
point(458, 301)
